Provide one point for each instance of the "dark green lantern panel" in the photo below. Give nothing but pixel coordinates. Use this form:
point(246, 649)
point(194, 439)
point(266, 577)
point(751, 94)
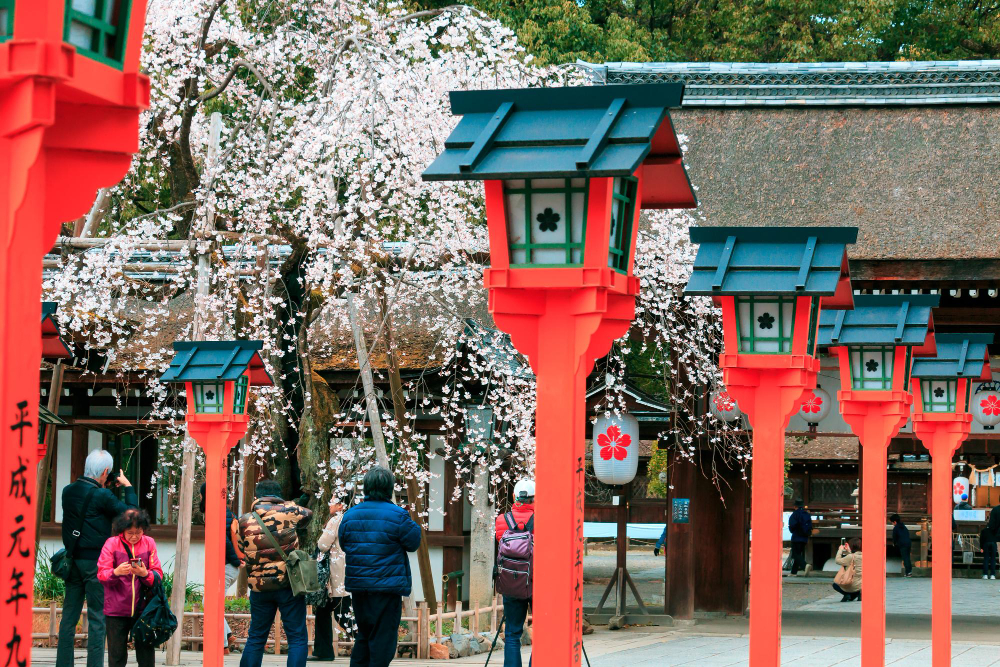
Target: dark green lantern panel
point(98, 29)
point(209, 397)
point(622, 219)
point(6, 20)
point(240, 395)
point(546, 221)
point(941, 395)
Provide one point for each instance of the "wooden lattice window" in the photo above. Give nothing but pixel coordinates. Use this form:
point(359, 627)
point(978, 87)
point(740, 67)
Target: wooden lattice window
point(98, 29)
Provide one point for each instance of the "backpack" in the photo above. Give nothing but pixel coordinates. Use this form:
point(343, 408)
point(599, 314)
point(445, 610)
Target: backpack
point(514, 570)
point(302, 571)
point(156, 622)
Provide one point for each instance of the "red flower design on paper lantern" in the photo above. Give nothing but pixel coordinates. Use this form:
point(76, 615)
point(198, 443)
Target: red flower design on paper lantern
point(723, 406)
point(990, 405)
point(616, 448)
point(614, 443)
point(813, 403)
point(985, 406)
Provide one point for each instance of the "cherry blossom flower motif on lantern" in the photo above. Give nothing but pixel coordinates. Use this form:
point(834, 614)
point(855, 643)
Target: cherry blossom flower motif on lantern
point(724, 402)
point(871, 365)
point(959, 488)
point(766, 321)
point(614, 443)
point(812, 403)
point(990, 405)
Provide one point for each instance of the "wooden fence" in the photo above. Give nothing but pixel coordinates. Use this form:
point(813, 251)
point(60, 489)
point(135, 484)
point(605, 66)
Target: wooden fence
point(427, 625)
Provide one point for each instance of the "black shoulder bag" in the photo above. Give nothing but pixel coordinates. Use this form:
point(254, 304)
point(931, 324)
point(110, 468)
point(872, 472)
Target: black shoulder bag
point(61, 562)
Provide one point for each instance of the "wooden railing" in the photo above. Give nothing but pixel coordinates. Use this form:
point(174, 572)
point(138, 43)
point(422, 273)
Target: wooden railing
point(427, 625)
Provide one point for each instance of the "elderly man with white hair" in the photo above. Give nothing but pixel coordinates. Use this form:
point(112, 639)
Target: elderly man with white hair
point(88, 509)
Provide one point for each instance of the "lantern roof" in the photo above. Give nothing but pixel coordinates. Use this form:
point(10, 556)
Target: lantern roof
point(224, 360)
point(758, 261)
point(53, 346)
point(882, 319)
point(570, 132)
point(958, 356)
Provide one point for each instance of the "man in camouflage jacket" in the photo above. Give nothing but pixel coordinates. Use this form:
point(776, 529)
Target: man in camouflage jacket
point(267, 575)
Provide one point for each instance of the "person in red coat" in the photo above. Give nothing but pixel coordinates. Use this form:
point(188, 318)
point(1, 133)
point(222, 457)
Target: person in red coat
point(516, 610)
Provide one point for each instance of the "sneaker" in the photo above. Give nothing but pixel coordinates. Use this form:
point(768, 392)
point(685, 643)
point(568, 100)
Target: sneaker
point(985, 577)
point(993, 576)
point(809, 568)
point(908, 574)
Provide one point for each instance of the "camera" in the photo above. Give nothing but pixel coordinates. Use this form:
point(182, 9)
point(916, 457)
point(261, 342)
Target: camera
point(112, 481)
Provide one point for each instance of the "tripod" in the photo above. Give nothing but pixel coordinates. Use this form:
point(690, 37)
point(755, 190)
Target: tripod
point(503, 617)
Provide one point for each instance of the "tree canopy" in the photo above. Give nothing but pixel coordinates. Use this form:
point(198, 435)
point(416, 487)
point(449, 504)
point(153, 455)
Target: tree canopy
point(561, 31)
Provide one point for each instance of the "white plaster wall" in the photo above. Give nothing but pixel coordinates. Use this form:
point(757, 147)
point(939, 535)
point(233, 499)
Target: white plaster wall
point(437, 560)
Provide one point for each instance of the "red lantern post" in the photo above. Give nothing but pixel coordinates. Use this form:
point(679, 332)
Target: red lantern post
point(71, 95)
point(217, 377)
point(567, 171)
point(942, 421)
point(769, 285)
point(875, 343)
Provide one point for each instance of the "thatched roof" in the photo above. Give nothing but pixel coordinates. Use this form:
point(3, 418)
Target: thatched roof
point(824, 448)
point(906, 152)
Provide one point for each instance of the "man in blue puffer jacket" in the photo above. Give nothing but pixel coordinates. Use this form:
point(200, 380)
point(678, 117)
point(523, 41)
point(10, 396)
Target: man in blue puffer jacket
point(375, 536)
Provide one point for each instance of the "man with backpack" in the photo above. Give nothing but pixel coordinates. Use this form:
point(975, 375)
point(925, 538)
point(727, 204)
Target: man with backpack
point(267, 535)
point(88, 508)
point(515, 535)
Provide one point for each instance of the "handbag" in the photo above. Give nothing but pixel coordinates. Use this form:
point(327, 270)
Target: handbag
point(845, 576)
point(321, 597)
point(61, 562)
point(302, 572)
point(156, 622)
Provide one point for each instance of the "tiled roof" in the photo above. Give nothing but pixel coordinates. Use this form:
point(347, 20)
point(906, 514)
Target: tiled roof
point(958, 355)
point(879, 320)
point(798, 261)
point(816, 84)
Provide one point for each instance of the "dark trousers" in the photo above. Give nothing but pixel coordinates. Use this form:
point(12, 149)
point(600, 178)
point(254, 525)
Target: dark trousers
point(263, 607)
point(82, 583)
point(856, 595)
point(798, 556)
point(904, 553)
point(118, 628)
point(989, 559)
point(377, 616)
point(334, 607)
point(514, 612)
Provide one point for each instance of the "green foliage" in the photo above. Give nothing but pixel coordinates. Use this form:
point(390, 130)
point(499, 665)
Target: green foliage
point(192, 591)
point(47, 585)
point(237, 605)
point(561, 31)
point(657, 463)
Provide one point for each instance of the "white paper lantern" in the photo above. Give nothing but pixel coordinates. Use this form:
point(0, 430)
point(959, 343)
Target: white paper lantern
point(723, 406)
point(960, 487)
point(616, 449)
point(986, 404)
point(815, 405)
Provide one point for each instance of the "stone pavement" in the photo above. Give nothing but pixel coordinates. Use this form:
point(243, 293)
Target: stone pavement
point(969, 597)
point(640, 647)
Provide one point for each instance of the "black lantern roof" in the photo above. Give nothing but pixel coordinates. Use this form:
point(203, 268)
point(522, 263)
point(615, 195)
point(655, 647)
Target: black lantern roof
point(568, 132)
point(224, 360)
point(786, 261)
point(958, 355)
point(878, 319)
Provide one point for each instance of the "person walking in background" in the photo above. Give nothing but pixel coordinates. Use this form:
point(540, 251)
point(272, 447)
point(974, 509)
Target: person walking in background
point(127, 566)
point(901, 540)
point(375, 536)
point(267, 573)
point(336, 601)
point(660, 542)
point(515, 609)
point(849, 558)
point(234, 561)
point(88, 509)
point(800, 525)
point(988, 545)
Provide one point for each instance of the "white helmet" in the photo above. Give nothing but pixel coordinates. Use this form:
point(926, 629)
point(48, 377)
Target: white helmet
point(524, 489)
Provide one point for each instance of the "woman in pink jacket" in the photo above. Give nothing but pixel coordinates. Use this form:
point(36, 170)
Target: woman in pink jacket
point(128, 565)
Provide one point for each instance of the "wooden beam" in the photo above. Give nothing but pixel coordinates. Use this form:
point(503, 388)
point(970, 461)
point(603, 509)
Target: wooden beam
point(941, 272)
